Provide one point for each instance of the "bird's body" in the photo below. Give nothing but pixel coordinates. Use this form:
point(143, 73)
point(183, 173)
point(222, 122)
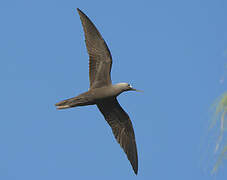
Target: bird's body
point(103, 93)
point(94, 96)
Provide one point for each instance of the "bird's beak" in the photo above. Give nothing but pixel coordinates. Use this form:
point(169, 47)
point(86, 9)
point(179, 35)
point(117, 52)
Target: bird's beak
point(132, 89)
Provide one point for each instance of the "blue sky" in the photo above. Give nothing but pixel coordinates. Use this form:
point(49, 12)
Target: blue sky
point(173, 50)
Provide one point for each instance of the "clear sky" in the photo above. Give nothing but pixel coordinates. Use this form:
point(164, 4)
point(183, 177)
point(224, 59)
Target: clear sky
point(175, 51)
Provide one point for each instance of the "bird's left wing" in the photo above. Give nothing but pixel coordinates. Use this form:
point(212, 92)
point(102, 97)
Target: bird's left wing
point(100, 60)
point(122, 128)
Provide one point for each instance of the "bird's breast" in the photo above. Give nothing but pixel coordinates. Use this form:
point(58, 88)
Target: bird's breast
point(103, 93)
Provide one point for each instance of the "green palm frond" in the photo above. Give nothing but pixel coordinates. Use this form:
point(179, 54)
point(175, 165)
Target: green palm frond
point(220, 118)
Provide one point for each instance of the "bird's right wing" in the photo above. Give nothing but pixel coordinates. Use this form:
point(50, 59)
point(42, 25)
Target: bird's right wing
point(122, 128)
point(100, 60)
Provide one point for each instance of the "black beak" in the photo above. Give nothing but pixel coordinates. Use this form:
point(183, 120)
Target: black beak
point(132, 89)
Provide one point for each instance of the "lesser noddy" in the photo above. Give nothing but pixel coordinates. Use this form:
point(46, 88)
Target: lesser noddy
point(103, 93)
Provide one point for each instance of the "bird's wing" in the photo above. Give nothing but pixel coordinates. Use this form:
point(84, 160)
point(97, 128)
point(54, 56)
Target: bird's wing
point(100, 60)
point(122, 128)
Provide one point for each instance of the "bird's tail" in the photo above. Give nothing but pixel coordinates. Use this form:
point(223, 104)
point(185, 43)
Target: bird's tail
point(68, 103)
point(80, 100)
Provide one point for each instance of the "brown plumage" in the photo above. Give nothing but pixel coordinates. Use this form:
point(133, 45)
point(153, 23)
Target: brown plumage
point(122, 128)
point(103, 93)
point(100, 60)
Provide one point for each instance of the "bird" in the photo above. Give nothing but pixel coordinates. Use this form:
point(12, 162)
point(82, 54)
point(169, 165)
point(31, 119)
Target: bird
point(103, 93)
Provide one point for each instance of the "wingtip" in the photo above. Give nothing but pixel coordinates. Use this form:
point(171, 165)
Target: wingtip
point(136, 171)
point(79, 11)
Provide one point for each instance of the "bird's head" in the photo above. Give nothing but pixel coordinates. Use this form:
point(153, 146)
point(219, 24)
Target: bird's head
point(126, 87)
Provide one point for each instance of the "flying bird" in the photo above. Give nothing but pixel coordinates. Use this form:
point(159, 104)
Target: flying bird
point(103, 93)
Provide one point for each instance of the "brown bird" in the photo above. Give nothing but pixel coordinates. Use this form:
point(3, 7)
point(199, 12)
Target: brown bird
point(103, 93)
